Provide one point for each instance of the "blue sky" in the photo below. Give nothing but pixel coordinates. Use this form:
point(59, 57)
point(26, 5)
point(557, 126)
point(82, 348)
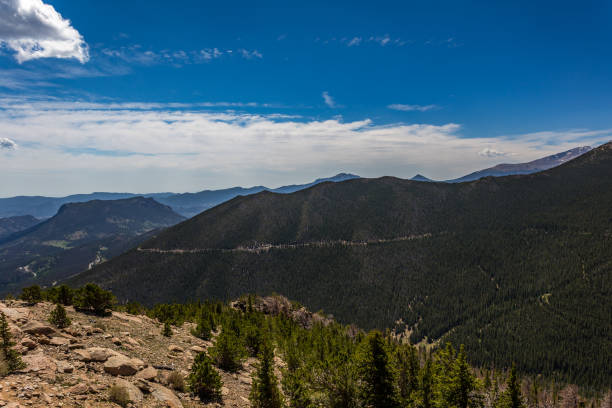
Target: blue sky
point(182, 96)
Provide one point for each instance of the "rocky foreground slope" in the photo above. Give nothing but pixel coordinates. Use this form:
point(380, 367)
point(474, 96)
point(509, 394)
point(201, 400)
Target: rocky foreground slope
point(78, 365)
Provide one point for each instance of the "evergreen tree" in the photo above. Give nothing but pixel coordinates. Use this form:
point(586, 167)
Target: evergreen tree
point(167, 330)
point(264, 390)
point(204, 326)
point(94, 299)
point(228, 352)
point(374, 371)
point(426, 385)
point(511, 397)
point(32, 294)
point(58, 317)
point(64, 295)
point(204, 380)
point(407, 373)
point(11, 357)
point(253, 339)
point(462, 384)
point(293, 381)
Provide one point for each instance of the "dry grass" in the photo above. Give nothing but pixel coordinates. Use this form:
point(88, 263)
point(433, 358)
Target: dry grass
point(176, 381)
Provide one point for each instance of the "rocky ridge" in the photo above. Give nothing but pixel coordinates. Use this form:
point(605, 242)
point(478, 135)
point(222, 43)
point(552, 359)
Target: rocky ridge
point(77, 366)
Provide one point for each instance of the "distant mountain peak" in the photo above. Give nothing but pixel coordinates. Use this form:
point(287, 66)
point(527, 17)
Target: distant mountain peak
point(420, 177)
point(534, 166)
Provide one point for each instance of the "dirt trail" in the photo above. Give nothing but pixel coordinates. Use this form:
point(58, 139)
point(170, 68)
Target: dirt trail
point(258, 248)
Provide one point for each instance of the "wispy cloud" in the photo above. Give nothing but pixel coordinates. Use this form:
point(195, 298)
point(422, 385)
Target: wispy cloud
point(354, 41)
point(250, 54)
point(33, 30)
point(409, 108)
point(137, 54)
point(7, 144)
point(488, 152)
point(187, 149)
point(382, 40)
point(329, 101)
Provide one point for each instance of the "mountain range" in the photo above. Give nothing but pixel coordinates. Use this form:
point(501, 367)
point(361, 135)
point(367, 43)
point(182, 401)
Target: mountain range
point(480, 263)
point(534, 166)
point(79, 235)
point(186, 204)
point(190, 204)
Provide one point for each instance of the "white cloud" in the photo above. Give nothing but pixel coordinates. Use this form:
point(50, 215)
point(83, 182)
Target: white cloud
point(382, 40)
point(250, 54)
point(7, 144)
point(354, 41)
point(408, 108)
point(488, 152)
point(329, 101)
point(66, 147)
point(35, 30)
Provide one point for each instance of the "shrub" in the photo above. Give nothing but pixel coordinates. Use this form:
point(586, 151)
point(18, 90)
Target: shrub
point(134, 308)
point(32, 294)
point(228, 352)
point(167, 330)
point(119, 395)
point(94, 299)
point(12, 359)
point(64, 295)
point(204, 380)
point(176, 381)
point(59, 318)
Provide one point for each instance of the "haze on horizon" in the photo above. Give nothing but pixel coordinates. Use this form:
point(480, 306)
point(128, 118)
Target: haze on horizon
point(162, 97)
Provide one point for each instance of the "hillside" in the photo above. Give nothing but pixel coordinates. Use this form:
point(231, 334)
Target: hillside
point(534, 166)
point(79, 234)
point(482, 263)
point(11, 225)
point(153, 355)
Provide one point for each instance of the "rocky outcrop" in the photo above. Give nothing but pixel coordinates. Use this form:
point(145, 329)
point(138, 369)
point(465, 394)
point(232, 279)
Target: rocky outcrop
point(133, 392)
point(34, 327)
point(38, 362)
point(94, 354)
point(148, 374)
point(122, 365)
point(165, 396)
point(77, 366)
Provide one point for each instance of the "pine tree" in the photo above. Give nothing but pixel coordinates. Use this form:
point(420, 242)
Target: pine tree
point(59, 318)
point(167, 330)
point(373, 369)
point(462, 384)
point(511, 397)
point(228, 352)
point(32, 294)
point(426, 385)
point(64, 295)
point(11, 357)
point(407, 373)
point(205, 325)
point(204, 380)
point(264, 390)
point(293, 380)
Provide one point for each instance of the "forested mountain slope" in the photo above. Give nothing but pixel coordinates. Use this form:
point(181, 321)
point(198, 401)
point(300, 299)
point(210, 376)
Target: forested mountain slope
point(11, 225)
point(518, 268)
point(79, 234)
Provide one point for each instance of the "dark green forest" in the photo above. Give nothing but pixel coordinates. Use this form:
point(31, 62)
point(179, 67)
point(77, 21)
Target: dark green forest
point(518, 269)
point(323, 363)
